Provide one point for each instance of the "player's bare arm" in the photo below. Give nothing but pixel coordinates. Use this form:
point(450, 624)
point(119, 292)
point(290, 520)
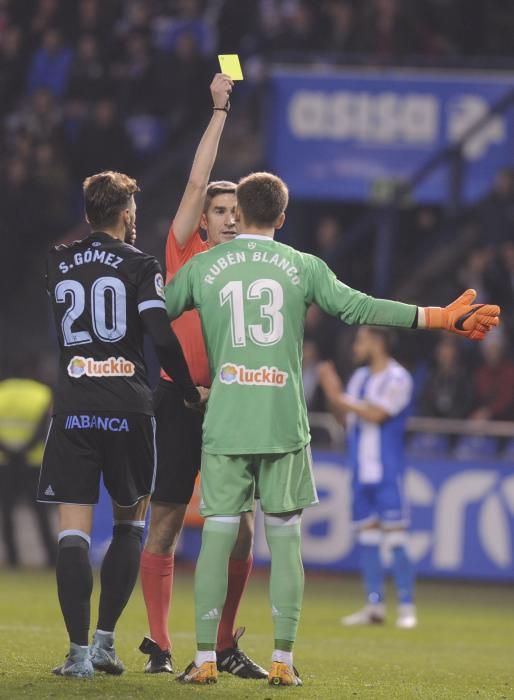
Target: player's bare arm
point(341, 404)
point(192, 202)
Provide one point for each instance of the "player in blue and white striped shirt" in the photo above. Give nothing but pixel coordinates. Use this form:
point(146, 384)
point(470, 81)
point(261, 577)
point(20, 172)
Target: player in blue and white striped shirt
point(376, 406)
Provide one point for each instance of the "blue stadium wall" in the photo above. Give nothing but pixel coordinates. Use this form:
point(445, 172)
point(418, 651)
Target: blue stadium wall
point(462, 520)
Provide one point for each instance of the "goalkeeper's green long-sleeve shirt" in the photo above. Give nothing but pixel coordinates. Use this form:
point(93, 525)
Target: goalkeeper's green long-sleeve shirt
point(252, 295)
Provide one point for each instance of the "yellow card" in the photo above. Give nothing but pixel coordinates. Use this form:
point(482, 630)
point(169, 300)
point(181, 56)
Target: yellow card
point(229, 64)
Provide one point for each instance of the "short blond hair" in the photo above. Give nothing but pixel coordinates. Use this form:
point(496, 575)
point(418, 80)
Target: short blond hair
point(262, 198)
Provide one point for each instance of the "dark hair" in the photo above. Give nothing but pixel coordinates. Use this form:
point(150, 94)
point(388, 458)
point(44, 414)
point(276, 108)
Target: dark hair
point(218, 187)
point(262, 198)
point(386, 335)
point(105, 196)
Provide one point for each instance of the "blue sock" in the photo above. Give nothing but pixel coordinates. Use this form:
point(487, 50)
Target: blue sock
point(403, 570)
point(371, 565)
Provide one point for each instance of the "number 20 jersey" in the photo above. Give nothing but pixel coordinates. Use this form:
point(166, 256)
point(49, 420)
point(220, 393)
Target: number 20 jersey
point(98, 289)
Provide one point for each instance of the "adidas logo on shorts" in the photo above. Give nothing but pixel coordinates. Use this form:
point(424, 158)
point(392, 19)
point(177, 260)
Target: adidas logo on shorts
point(49, 491)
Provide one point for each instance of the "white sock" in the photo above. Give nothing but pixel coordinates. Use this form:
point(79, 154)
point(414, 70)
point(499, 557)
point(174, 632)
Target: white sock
point(285, 657)
point(203, 656)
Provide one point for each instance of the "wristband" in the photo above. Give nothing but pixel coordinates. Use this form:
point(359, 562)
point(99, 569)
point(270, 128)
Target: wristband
point(225, 109)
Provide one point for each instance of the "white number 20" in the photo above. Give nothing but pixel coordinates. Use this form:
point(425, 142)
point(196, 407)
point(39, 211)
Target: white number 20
point(232, 293)
point(110, 329)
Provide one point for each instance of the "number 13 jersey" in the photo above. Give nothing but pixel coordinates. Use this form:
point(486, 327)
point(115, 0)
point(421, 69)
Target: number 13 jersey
point(98, 288)
point(252, 294)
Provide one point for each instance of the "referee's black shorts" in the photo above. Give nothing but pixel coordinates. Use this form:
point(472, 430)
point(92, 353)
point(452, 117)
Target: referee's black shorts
point(179, 446)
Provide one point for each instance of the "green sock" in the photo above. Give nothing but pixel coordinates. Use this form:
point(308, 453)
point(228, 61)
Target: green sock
point(286, 581)
point(211, 577)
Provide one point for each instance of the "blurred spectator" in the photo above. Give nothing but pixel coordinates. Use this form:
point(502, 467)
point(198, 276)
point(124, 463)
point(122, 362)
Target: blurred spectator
point(22, 207)
point(138, 16)
point(300, 30)
point(20, 144)
point(50, 65)
point(314, 397)
point(322, 328)
point(349, 268)
point(473, 274)
point(24, 418)
point(500, 282)
point(96, 18)
point(387, 31)
point(496, 212)
point(421, 234)
point(53, 177)
point(25, 233)
point(44, 17)
point(102, 143)
point(13, 63)
point(328, 244)
point(448, 391)
point(186, 67)
point(189, 20)
point(494, 380)
point(39, 116)
point(340, 26)
point(4, 15)
point(88, 80)
point(137, 76)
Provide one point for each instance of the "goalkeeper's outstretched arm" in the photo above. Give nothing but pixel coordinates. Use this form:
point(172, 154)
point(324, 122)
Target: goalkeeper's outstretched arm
point(462, 316)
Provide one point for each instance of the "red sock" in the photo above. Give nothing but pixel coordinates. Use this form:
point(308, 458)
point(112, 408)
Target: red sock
point(238, 573)
point(157, 583)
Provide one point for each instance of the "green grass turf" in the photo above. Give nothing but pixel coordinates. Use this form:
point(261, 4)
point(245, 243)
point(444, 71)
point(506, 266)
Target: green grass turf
point(463, 647)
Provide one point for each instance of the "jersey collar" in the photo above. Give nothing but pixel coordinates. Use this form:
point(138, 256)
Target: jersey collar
point(254, 235)
point(103, 236)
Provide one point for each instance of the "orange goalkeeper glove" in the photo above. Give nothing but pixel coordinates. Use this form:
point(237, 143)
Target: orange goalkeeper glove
point(463, 317)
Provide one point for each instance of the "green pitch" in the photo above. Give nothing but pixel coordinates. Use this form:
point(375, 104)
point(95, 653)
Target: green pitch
point(463, 648)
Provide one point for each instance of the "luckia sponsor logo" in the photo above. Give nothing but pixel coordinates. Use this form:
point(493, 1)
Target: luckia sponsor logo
point(264, 376)
point(112, 367)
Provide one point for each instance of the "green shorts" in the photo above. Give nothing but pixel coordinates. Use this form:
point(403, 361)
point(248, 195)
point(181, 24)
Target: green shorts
point(284, 482)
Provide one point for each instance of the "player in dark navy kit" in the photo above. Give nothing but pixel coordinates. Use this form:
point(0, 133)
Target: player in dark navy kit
point(105, 295)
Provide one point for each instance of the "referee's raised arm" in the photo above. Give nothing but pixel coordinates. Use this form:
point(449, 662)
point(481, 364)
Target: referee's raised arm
point(191, 205)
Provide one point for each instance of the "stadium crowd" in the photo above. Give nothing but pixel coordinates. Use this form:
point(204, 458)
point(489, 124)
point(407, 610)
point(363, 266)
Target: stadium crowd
point(460, 380)
point(87, 85)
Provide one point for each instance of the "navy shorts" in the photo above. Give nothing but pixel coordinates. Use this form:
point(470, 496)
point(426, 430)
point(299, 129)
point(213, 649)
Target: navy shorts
point(84, 446)
point(179, 445)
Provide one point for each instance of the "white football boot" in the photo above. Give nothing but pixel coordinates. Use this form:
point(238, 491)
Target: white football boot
point(406, 618)
point(371, 614)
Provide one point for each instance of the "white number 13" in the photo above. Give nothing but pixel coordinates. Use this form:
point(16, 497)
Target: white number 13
point(232, 293)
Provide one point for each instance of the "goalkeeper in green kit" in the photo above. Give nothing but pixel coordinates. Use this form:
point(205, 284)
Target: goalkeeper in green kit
point(252, 294)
